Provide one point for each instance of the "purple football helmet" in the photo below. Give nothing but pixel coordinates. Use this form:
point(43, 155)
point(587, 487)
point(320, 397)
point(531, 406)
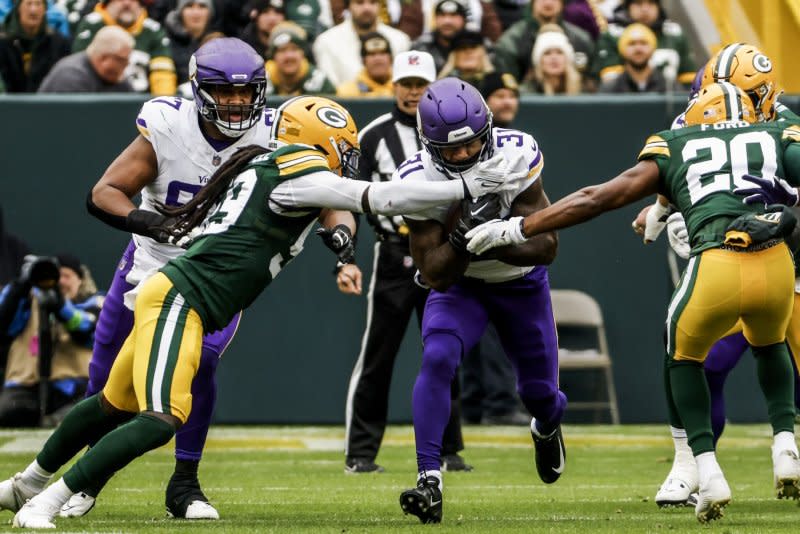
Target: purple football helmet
point(452, 113)
point(697, 83)
point(228, 61)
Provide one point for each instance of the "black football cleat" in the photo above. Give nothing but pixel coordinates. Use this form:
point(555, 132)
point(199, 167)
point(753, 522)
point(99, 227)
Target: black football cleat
point(424, 501)
point(185, 499)
point(353, 466)
point(550, 455)
point(454, 462)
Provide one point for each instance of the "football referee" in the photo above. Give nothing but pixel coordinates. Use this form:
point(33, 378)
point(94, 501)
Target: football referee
point(385, 143)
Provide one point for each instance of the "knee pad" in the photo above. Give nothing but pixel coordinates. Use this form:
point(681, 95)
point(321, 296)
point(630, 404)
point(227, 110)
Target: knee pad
point(441, 354)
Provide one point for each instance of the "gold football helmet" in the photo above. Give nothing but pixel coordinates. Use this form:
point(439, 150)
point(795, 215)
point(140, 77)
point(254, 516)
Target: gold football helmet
point(749, 69)
point(323, 124)
point(720, 102)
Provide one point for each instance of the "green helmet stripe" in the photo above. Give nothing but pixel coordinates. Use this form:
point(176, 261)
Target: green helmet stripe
point(722, 69)
point(733, 108)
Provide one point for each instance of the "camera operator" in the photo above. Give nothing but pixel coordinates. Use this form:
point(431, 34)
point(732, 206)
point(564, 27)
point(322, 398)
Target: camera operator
point(60, 290)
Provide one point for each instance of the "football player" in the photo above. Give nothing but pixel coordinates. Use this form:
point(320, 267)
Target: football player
point(740, 269)
point(509, 286)
point(180, 145)
point(249, 221)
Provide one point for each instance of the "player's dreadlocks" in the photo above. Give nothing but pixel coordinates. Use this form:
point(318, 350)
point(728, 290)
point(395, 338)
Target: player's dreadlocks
point(194, 212)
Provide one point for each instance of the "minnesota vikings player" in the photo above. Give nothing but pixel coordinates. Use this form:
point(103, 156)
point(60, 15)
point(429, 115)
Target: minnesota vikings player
point(181, 143)
point(509, 286)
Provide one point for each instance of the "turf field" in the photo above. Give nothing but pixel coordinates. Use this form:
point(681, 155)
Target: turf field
point(270, 479)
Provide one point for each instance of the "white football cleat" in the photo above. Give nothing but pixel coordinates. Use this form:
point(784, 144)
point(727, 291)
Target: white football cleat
point(786, 468)
point(712, 498)
point(199, 510)
point(35, 515)
point(78, 505)
point(14, 494)
point(680, 484)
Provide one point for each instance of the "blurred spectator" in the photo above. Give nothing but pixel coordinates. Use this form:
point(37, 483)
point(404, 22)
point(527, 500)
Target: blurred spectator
point(553, 71)
point(501, 92)
point(28, 47)
point(607, 7)
point(186, 26)
point(338, 50)
point(56, 16)
point(636, 47)
point(481, 16)
point(673, 55)
point(513, 50)
point(64, 293)
point(469, 59)
point(288, 70)
point(151, 67)
point(586, 15)
point(376, 76)
point(405, 15)
point(99, 69)
point(264, 16)
point(308, 15)
point(450, 17)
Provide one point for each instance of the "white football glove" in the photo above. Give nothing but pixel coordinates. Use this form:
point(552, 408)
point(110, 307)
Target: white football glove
point(678, 235)
point(655, 221)
point(496, 233)
point(494, 175)
point(185, 241)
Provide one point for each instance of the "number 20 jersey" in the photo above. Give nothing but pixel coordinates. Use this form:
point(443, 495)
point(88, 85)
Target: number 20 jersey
point(186, 161)
point(700, 166)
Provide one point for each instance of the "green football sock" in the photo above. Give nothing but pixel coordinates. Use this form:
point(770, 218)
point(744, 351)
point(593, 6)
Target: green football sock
point(117, 449)
point(85, 423)
point(693, 403)
point(672, 410)
point(776, 377)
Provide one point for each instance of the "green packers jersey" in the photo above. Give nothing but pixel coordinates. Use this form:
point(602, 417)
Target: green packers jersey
point(700, 166)
point(244, 242)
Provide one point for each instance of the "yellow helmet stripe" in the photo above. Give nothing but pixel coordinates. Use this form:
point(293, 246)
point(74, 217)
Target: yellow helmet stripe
point(733, 108)
point(722, 69)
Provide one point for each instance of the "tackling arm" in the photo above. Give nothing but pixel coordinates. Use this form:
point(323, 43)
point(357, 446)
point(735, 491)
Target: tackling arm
point(440, 264)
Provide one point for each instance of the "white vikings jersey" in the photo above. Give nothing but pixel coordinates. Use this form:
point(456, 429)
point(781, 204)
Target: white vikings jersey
point(508, 142)
point(186, 161)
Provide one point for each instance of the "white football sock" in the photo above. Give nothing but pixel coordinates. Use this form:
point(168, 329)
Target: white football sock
point(437, 474)
point(707, 466)
point(56, 495)
point(35, 477)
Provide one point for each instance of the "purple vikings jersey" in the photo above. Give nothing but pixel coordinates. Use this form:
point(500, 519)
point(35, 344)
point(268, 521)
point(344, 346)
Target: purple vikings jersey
point(508, 142)
point(186, 161)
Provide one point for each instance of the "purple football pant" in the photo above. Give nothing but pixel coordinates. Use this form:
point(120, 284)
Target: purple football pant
point(454, 322)
point(113, 326)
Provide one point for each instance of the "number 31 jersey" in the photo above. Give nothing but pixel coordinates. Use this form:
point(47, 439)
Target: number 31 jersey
point(186, 161)
point(700, 166)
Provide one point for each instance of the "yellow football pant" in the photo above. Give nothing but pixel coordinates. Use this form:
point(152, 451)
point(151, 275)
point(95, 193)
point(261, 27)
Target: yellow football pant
point(721, 288)
point(159, 359)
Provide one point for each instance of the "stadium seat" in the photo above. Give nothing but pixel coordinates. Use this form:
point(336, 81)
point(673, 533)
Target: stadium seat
point(578, 314)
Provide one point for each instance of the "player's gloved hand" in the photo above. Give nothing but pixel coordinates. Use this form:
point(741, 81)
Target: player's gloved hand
point(185, 241)
point(493, 176)
point(495, 233)
point(772, 190)
point(678, 235)
point(656, 221)
point(474, 213)
point(340, 240)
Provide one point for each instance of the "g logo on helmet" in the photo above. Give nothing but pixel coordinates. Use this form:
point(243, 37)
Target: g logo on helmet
point(332, 117)
point(762, 63)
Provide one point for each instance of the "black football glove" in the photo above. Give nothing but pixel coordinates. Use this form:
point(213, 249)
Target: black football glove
point(340, 240)
point(484, 209)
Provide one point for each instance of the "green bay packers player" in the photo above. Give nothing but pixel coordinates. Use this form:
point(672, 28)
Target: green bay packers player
point(252, 219)
point(740, 269)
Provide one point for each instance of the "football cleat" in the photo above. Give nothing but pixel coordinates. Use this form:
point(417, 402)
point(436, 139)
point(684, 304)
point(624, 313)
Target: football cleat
point(675, 492)
point(35, 515)
point(78, 505)
point(13, 493)
point(424, 501)
point(454, 462)
point(185, 499)
point(786, 468)
point(353, 466)
point(712, 499)
point(550, 453)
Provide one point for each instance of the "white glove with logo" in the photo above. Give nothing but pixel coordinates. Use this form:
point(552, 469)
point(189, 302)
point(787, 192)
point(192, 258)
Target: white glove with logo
point(496, 233)
point(656, 221)
point(678, 235)
point(185, 241)
point(494, 176)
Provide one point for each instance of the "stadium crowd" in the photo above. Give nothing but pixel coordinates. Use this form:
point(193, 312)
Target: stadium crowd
point(344, 47)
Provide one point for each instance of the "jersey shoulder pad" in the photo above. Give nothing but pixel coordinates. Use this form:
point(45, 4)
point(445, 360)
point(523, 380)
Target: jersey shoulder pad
point(297, 160)
point(160, 115)
point(791, 133)
point(512, 143)
point(655, 145)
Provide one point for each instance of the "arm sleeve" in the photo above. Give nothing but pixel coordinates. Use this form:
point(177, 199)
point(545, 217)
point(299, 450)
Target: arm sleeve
point(326, 190)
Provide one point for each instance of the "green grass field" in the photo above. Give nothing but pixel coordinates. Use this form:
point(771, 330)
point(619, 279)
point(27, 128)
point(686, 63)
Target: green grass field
point(270, 479)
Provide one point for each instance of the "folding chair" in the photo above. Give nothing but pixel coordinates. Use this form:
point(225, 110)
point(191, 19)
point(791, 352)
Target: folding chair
point(576, 310)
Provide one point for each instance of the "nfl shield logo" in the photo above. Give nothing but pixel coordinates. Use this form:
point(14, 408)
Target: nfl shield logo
point(216, 160)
